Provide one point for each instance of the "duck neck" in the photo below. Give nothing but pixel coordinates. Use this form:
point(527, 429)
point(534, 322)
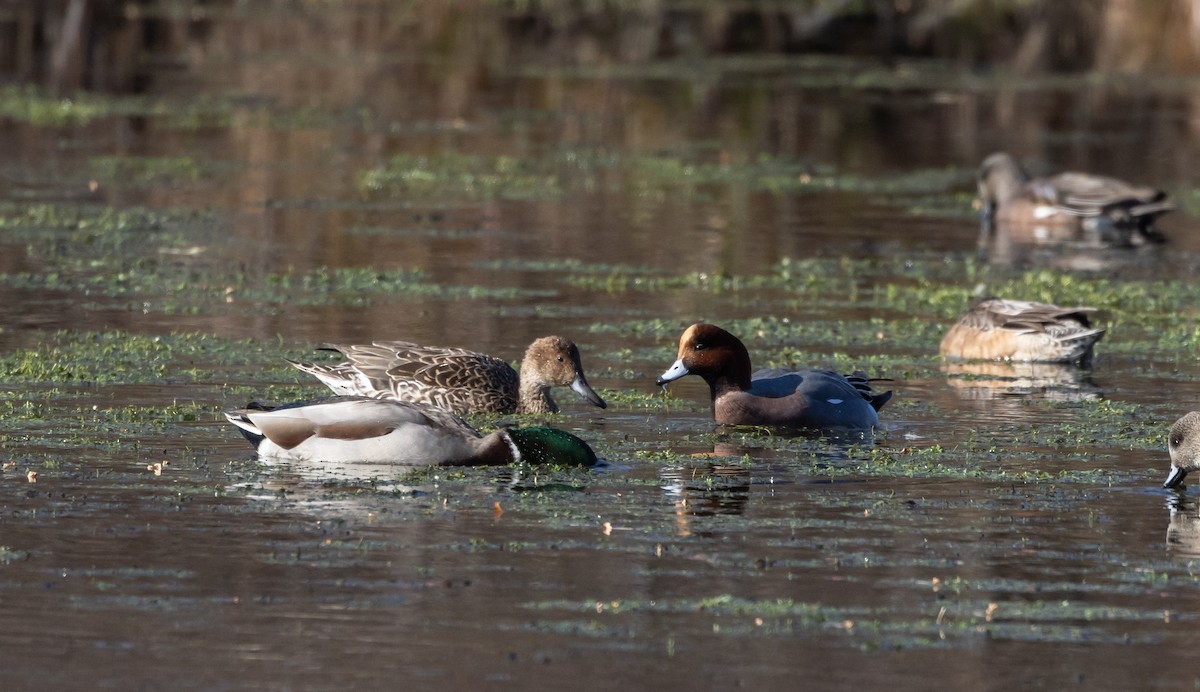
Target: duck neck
point(496, 449)
point(736, 376)
point(1005, 181)
point(535, 398)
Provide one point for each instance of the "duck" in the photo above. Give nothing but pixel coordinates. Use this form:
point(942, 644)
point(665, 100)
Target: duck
point(1022, 331)
point(1068, 206)
point(818, 399)
point(1183, 443)
point(456, 379)
point(373, 430)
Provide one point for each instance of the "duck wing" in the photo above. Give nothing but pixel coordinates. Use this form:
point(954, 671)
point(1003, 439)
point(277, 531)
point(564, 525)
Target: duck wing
point(1083, 194)
point(455, 379)
point(347, 418)
point(775, 383)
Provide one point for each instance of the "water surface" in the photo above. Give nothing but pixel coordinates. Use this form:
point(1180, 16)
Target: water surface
point(441, 179)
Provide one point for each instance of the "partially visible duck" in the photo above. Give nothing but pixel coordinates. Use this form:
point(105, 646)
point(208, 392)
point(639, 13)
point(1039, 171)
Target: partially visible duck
point(1068, 206)
point(1022, 330)
point(364, 429)
point(1184, 445)
point(458, 380)
point(797, 398)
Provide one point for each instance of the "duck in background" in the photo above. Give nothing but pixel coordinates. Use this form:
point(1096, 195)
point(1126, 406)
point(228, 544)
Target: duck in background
point(1068, 206)
point(1022, 331)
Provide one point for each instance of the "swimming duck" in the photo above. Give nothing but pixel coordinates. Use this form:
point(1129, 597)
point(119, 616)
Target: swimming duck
point(799, 398)
point(366, 429)
point(1022, 330)
point(457, 380)
point(1069, 206)
point(1184, 445)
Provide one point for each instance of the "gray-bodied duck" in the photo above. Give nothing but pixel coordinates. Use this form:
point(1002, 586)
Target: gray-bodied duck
point(456, 379)
point(1023, 331)
point(367, 429)
point(819, 399)
point(1068, 206)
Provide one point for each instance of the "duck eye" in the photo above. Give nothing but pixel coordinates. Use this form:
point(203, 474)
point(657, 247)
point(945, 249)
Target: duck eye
point(699, 347)
point(560, 359)
point(1176, 441)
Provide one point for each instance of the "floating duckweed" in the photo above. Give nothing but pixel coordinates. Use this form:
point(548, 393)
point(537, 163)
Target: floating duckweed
point(115, 358)
point(648, 175)
point(569, 265)
point(38, 107)
point(354, 284)
point(9, 554)
point(142, 170)
point(460, 175)
point(41, 108)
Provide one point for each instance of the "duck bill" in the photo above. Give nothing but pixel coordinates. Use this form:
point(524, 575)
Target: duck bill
point(676, 371)
point(583, 389)
point(1175, 479)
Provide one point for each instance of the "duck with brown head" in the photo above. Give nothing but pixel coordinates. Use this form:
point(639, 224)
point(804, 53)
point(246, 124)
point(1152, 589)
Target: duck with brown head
point(819, 399)
point(456, 379)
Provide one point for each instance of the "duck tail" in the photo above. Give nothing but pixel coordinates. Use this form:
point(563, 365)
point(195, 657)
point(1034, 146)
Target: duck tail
point(859, 380)
point(878, 400)
point(245, 426)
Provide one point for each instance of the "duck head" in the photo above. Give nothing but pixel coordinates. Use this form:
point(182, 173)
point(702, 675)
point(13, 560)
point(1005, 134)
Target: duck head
point(1184, 446)
point(542, 445)
point(712, 353)
point(1000, 180)
point(553, 361)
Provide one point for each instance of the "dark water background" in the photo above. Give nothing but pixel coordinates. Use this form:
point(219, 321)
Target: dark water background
point(609, 174)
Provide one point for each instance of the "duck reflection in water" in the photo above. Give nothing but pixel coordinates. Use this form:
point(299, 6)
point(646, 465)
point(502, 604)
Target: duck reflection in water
point(1183, 532)
point(985, 381)
point(704, 491)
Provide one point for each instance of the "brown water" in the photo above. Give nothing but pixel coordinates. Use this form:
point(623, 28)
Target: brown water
point(693, 557)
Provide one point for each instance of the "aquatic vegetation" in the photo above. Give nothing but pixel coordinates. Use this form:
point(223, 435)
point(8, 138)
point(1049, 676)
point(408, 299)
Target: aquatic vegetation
point(39, 107)
point(647, 174)
point(97, 223)
point(100, 359)
point(962, 621)
point(472, 176)
point(129, 171)
point(421, 232)
point(570, 265)
point(175, 260)
point(840, 280)
point(355, 285)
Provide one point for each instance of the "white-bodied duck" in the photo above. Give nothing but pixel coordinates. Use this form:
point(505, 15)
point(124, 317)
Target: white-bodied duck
point(366, 429)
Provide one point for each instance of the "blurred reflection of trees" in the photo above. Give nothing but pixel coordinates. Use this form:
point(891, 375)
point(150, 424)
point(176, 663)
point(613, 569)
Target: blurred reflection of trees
point(104, 44)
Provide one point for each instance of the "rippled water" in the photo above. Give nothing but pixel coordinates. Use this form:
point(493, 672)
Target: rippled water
point(1005, 526)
